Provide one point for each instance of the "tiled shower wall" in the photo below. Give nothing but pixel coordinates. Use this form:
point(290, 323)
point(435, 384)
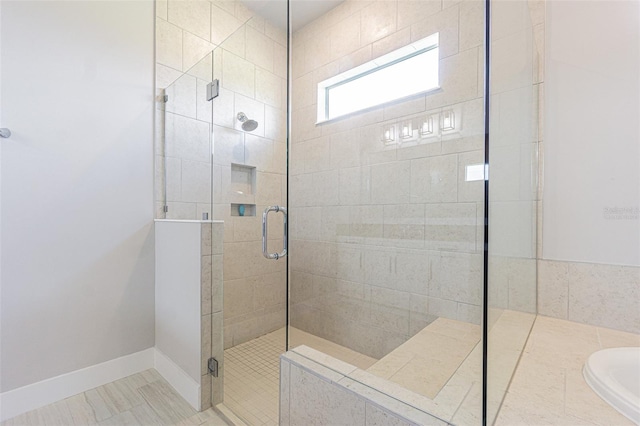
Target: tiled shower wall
point(385, 238)
point(249, 59)
point(186, 33)
point(252, 68)
point(212, 344)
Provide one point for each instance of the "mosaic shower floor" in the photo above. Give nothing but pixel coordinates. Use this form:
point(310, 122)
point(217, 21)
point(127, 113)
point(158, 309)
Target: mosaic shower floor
point(251, 382)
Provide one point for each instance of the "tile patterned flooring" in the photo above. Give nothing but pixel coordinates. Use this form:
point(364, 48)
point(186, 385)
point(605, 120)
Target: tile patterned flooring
point(251, 382)
point(548, 387)
point(141, 399)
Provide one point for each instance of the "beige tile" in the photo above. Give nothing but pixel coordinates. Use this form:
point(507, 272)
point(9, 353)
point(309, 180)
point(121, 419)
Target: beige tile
point(450, 226)
point(196, 181)
point(217, 284)
point(315, 401)
point(391, 183)
point(125, 419)
point(223, 23)
point(145, 415)
point(354, 185)
point(269, 88)
point(228, 145)
point(235, 293)
point(284, 393)
point(205, 392)
point(182, 96)
point(456, 276)
point(317, 52)
point(166, 402)
point(582, 402)
point(57, 413)
point(192, 15)
point(410, 12)
point(390, 364)
point(101, 408)
point(472, 24)
point(553, 288)
point(345, 36)
point(223, 109)
point(613, 338)
point(446, 23)
point(434, 179)
point(168, 44)
point(573, 342)
point(378, 20)
point(81, 410)
point(165, 76)
point(356, 58)
point(618, 308)
point(317, 154)
point(194, 50)
point(206, 284)
point(459, 80)
point(187, 138)
point(205, 239)
point(205, 342)
point(260, 49)
point(402, 108)
point(238, 75)
point(161, 9)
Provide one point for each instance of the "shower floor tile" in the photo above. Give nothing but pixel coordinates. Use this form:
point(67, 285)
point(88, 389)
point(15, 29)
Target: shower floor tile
point(251, 377)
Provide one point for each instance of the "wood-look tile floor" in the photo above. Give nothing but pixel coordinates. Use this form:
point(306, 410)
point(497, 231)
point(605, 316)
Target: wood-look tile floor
point(141, 399)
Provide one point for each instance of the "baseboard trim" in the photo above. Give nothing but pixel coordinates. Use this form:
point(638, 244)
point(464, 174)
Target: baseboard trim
point(184, 384)
point(36, 395)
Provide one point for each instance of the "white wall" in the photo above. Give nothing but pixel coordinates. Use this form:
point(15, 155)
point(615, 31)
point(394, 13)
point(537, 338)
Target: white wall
point(589, 265)
point(77, 207)
point(592, 137)
point(178, 293)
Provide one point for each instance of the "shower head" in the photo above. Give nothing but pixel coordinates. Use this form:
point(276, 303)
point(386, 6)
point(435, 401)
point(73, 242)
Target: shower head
point(247, 124)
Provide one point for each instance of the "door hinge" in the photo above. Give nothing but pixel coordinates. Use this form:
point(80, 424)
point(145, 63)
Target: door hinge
point(213, 367)
point(213, 89)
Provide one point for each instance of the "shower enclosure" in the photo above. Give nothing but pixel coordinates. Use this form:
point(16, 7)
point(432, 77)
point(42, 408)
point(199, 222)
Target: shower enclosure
point(385, 207)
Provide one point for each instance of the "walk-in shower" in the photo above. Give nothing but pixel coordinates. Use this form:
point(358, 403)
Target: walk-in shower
point(388, 266)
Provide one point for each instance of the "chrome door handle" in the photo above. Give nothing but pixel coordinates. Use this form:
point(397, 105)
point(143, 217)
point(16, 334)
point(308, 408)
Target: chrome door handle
point(265, 239)
point(5, 133)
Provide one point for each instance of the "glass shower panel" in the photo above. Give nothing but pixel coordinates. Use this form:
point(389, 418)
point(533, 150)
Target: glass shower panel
point(386, 207)
point(513, 191)
point(187, 144)
point(249, 175)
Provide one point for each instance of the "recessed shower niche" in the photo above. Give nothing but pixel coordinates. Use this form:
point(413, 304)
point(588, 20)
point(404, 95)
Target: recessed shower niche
point(243, 190)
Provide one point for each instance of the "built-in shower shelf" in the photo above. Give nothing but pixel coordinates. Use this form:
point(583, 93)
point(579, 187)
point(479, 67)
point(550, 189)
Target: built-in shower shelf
point(249, 209)
point(243, 180)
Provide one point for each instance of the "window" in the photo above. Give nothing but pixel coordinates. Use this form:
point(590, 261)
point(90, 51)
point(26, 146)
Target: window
point(404, 72)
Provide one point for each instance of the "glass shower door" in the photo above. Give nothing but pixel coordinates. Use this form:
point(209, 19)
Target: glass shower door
point(249, 175)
